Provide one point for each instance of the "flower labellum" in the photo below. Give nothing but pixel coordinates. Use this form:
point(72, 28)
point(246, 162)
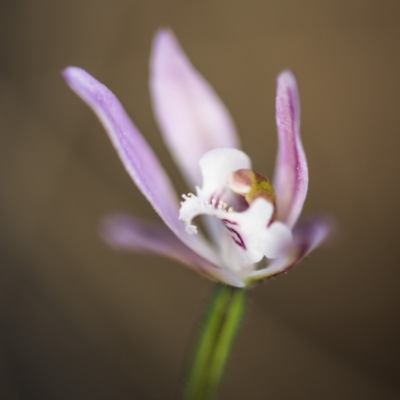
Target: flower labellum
point(251, 222)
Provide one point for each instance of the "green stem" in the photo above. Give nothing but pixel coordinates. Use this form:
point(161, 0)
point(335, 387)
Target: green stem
point(221, 322)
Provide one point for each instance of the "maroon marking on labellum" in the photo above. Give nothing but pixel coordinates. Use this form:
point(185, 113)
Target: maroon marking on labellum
point(236, 237)
point(226, 221)
point(238, 240)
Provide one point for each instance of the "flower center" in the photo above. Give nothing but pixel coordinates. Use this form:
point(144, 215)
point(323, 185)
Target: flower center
point(252, 186)
point(242, 204)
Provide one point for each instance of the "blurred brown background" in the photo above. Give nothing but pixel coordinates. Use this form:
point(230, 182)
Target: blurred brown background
point(80, 321)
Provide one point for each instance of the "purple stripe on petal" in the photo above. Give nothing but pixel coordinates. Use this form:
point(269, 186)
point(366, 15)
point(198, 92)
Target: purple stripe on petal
point(291, 172)
point(192, 118)
point(306, 237)
point(133, 234)
point(136, 156)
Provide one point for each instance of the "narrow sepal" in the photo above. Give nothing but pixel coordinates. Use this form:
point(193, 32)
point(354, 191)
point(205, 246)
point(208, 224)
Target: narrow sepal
point(291, 171)
point(191, 116)
point(137, 157)
point(124, 232)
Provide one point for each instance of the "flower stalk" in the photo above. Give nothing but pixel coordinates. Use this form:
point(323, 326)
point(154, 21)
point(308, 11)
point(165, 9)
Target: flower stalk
point(220, 325)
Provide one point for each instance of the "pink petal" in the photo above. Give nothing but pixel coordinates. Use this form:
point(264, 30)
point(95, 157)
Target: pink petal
point(291, 172)
point(127, 233)
point(192, 118)
point(136, 156)
point(306, 237)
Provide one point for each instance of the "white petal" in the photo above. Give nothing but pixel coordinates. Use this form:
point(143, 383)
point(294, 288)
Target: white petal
point(232, 256)
point(306, 236)
point(260, 239)
point(248, 230)
point(280, 237)
point(217, 165)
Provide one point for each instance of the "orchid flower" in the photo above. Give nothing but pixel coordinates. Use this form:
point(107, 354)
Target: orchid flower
point(251, 223)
